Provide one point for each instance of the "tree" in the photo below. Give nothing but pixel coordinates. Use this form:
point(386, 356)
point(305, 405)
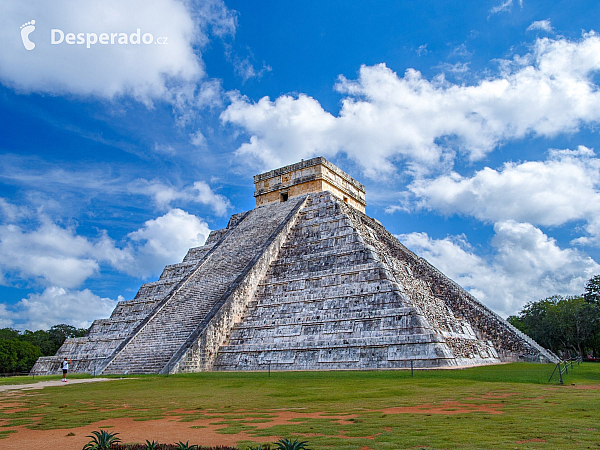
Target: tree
point(50, 341)
point(539, 321)
point(17, 355)
point(592, 290)
point(565, 325)
point(19, 351)
point(9, 333)
point(58, 334)
point(577, 324)
point(41, 339)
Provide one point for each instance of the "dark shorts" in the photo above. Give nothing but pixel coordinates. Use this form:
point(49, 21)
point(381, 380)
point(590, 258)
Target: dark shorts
point(65, 371)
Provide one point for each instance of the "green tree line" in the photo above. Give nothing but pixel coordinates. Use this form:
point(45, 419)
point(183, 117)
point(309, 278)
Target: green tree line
point(569, 326)
point(20, 350)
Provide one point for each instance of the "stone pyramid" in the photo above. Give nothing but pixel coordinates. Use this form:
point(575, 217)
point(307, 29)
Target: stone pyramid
point(305, 281)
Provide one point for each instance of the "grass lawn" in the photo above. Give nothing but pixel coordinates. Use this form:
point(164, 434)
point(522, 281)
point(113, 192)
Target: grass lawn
point(505, 406)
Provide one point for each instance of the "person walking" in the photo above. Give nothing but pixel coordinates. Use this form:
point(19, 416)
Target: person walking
point(65, 369)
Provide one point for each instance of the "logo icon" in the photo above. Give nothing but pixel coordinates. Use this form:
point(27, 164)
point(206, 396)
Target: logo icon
point(26, 30)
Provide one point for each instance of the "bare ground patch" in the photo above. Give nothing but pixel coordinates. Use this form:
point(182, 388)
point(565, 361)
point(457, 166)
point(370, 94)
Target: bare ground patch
point(208, 430)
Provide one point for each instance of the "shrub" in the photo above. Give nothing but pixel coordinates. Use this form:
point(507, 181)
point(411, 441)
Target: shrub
point(287, 444)
point(101, 440)
point(186, 446)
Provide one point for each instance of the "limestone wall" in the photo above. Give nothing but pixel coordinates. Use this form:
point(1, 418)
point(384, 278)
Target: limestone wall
point(328, 302)
point(89, 353)
point(310, 176)
point(202, 347)
point(150, 347)
point(509, 343)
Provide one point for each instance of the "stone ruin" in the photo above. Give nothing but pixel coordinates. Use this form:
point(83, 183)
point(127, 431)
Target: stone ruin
point(304, 281)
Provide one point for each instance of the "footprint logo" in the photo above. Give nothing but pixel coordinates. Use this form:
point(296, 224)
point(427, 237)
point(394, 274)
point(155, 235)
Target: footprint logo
point(26, 30)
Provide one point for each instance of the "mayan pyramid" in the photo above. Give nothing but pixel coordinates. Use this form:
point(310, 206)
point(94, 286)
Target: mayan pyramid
point(304, 281)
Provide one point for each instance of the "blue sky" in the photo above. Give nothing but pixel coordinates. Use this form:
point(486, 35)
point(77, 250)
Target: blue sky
point(473, 125)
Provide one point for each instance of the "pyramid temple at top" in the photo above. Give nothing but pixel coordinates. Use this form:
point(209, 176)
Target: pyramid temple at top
point(304, 281)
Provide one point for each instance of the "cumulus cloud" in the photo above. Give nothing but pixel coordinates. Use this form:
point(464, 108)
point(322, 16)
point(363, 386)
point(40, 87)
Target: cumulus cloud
point(58, 259)
point(199, 192)
point(527, 265)
point(166, 240)
point(543, 25)
point(561, 189)
point(6, 317)
point(144, 71)
point(53, 255)
point(386, 117)
point(57, 305)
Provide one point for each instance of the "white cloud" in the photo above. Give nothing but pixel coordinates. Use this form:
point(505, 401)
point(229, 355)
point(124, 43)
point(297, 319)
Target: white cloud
point(6, 317)
point(284, 131)
point(52, 255)
point(54, 306)
point(385, 118)
point(164, 149)
point(505, 6)
point(145, 72)
point(60, 260)
point(562, 189)
point(12, 212)
point(527, 265)
point(214, 14)
point(502, 7)
point(166, 240)
point(197, 139)
point(543, 25)
point(57, 182)
point(458, 68)
point(244, 67)
point(199, 192)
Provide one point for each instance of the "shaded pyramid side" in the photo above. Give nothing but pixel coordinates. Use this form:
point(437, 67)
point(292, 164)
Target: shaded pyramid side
point(332, 301)
point(447, 305)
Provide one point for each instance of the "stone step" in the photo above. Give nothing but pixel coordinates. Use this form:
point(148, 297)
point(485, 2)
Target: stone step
point(168, 330)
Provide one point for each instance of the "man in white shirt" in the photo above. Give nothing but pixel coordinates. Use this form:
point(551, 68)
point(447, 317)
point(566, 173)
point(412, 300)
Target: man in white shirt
point(65, 369)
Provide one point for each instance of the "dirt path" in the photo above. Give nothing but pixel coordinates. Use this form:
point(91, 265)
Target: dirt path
point(43, 384)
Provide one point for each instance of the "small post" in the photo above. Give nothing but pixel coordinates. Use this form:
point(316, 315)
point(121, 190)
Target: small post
point(411, 368)
point(571, 363)
point(269, 369)
point(560, 380)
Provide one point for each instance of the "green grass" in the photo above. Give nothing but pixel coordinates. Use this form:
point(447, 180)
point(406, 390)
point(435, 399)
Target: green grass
point(530, 407)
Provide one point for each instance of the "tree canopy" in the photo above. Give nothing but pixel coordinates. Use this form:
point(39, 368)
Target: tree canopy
point(20, 350)
point(592, 290)
point(565, 325)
